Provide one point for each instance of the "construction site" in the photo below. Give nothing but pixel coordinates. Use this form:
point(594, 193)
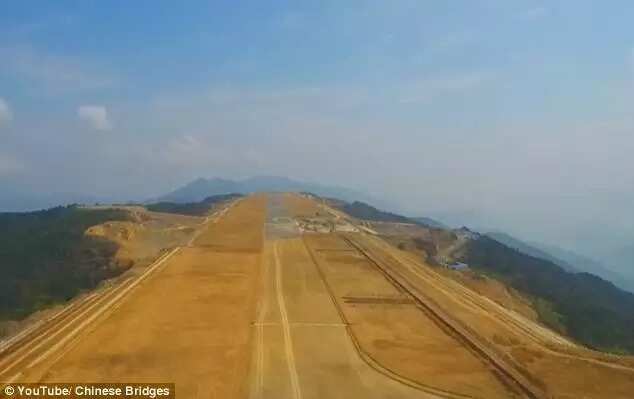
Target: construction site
point(280, 296)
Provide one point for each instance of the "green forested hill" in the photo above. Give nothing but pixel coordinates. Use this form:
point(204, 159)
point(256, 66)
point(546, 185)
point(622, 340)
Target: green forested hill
point(46, 258)
point(361, 210)
point(590, 309)
point(191, 208)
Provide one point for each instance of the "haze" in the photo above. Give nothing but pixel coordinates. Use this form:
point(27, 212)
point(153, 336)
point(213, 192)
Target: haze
point(500, 115)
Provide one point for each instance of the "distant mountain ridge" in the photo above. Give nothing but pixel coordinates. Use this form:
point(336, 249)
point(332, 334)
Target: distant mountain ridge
point(527, 249)
point(589, 265)
point(201, 188)
point(565, 259)
point(365, 211)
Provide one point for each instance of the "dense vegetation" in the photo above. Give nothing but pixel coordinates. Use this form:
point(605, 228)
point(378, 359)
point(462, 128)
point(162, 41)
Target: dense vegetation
point(527, 249)
point(590, 309)
point(361, 210)
point(46, 258)
point(191, 208)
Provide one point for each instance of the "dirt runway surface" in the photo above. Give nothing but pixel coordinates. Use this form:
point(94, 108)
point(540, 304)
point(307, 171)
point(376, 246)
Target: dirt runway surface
point(188, 324)
point(396, 334)
point(302, 347)
point(331, 325)
point(254, 307)
point(562, 368)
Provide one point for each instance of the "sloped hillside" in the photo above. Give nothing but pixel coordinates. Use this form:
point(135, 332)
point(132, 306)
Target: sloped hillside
point(361, 210)
point(587, 308)
point(590, 309)
point(45, 257)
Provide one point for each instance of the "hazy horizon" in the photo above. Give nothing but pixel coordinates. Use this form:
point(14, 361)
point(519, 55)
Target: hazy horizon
point(507, 115)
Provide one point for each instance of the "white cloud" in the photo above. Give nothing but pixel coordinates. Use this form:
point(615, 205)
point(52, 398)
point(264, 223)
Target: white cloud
point(95, 115)
point(5, 113)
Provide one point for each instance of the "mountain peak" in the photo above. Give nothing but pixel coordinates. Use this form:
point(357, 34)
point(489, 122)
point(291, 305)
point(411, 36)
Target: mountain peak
point(201, 188)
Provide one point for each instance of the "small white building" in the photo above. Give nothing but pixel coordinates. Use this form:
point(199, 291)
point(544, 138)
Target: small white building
point(458, 266)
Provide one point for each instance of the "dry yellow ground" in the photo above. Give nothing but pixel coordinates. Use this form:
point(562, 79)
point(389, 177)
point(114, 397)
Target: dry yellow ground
point(140, 241)
point(402, 237)
point(195, 323)
point(399, 336)
point(494, 290)
point(188, 324)
point(317, 352)
point(565, 371)
point(300, 206)
point(241, 230)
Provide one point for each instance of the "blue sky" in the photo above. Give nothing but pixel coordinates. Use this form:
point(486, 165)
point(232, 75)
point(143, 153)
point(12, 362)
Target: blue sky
point(507, 114)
